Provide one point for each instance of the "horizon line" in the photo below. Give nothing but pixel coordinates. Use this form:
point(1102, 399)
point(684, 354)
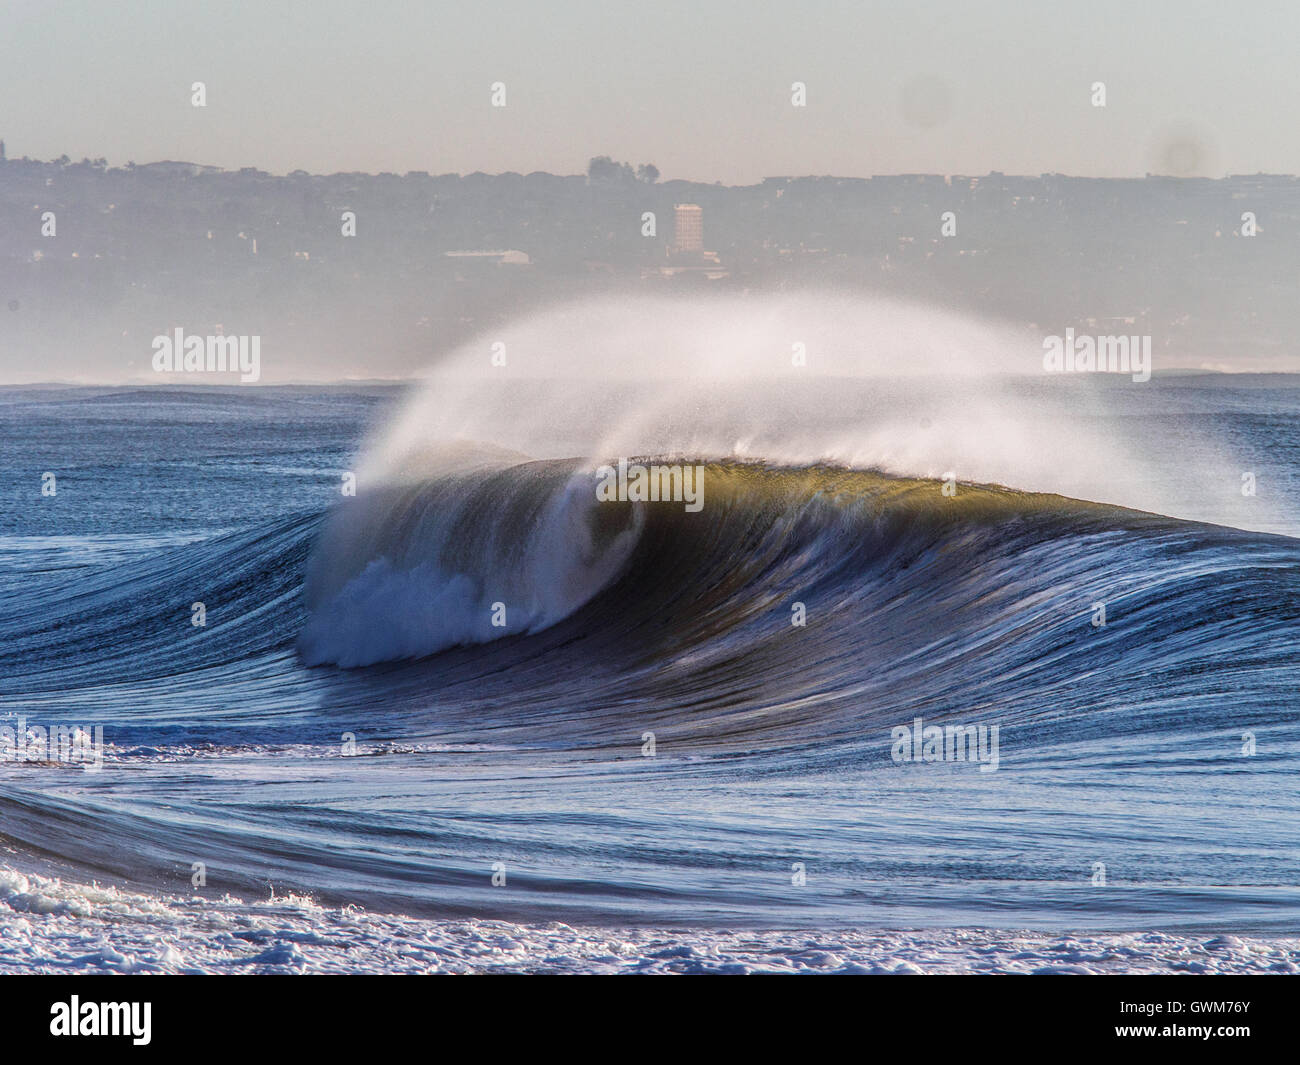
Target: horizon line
point(131, 166)
point(391, 382)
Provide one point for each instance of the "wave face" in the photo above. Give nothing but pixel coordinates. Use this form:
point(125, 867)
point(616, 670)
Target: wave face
point(687, 718)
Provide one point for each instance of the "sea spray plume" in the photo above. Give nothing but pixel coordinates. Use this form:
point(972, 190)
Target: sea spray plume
point(911, 389)
point(704, 376)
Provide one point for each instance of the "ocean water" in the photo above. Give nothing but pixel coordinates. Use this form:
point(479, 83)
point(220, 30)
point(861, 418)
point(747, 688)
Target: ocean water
point(649, 765)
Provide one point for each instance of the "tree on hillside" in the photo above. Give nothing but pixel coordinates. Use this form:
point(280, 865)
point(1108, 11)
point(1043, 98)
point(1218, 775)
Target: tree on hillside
point(602, 170)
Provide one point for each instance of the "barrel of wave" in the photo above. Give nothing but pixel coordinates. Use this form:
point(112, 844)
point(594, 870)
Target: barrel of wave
point(464, 548)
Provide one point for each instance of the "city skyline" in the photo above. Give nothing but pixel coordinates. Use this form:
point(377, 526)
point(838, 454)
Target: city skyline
point(105, 261)
point(201, 166)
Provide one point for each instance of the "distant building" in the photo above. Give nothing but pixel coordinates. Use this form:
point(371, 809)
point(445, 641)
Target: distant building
point(509, 257)
point(172, 168)
point(688, 229)
point(686, 254)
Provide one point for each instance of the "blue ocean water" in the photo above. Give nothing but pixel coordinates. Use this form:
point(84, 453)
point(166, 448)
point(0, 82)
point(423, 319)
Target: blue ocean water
point(513, 778)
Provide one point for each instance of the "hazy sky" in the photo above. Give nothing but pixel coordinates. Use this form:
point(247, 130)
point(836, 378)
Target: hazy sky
point(701, 88)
